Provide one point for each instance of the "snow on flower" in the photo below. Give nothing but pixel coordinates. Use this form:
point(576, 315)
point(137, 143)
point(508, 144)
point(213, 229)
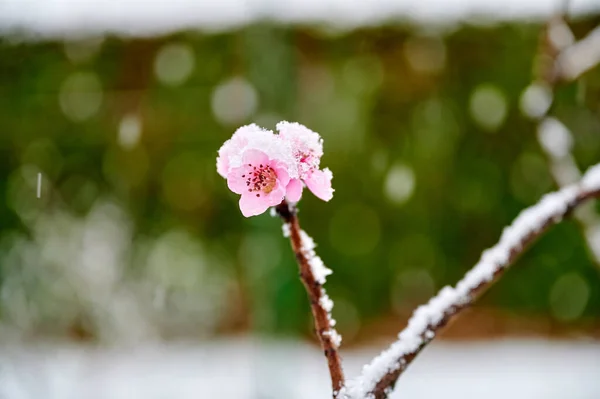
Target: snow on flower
point(307, 149)
point(264, 168)
point(307, 146)
point(253, 137)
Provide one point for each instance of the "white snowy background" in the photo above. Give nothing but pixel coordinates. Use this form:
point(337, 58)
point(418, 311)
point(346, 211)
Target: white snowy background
point(248, 368)
point(148, 17)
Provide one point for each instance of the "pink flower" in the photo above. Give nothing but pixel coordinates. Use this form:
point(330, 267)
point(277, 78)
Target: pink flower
point(260, 180)
point(265, 168)
point(319, 182)
point(307, 149)
point(230, 153)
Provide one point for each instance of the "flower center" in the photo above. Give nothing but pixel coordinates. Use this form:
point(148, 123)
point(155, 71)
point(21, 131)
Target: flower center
point(304, 157)
point(260, 178)
point(307, 163)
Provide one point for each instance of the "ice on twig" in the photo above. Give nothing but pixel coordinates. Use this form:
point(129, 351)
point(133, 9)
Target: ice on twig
point(336, 339)
point(580, 57)
point(426, 319)
point(285, 228)
point(557, 141)
point(591, 179)
point(320, 271)
point(326, 303)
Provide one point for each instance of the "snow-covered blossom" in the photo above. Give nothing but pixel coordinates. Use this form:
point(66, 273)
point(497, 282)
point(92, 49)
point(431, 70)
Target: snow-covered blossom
point(253, 137)
point(307, 149)
point(307, 146)
point(264, 168)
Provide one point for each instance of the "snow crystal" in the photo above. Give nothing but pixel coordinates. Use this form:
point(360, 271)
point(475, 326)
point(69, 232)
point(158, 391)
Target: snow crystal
point(286, 229)
point(308, 244)
point(555, 138)
point(336, 339)
point(326, 303)
point(320, 271)
point(591, 179)
point(419, 328)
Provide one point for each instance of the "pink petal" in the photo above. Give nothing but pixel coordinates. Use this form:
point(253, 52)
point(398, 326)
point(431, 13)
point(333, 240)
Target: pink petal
point(281, 170)
point(276, 196)
point(255, 157)
point(251, 205)
point(319, 182)
point(293, 191)
point(235, 181)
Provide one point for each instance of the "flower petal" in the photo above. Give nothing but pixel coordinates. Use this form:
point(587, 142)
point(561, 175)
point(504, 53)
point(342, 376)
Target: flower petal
point(251, 205)
point(276, 196)
point(222, 165)
point(293, 191)
point(319, 182)
point(281, 170)
point(236, 180)
point(254, 157)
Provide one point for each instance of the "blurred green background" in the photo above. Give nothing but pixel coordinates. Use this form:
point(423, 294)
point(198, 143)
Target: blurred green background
point(136, 235)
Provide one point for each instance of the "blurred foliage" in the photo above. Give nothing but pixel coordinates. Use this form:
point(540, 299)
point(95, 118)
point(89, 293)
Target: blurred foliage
point(430, 153)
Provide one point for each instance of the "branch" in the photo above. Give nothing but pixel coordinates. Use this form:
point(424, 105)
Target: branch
point(578, 58)
point(379, 377)
point(555, 139)
point(312, 274)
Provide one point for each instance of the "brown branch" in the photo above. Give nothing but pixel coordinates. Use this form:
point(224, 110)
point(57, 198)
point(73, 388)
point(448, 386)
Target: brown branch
point(578, 58)
point(316, 293)
point(380, 376)
point(554, 138)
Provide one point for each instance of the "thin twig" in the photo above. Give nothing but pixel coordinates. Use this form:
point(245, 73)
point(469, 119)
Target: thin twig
point(555, 139)
point(319, 301)
point(578, 58)
point(379, 377)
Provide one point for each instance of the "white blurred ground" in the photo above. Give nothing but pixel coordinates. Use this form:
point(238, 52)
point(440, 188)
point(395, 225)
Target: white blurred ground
point(247, 368)
point(148, 17)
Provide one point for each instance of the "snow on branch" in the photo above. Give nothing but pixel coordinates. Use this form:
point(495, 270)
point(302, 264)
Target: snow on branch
point(379, 377)
point(313, 274)
point(580, 57)
point(555, 139)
